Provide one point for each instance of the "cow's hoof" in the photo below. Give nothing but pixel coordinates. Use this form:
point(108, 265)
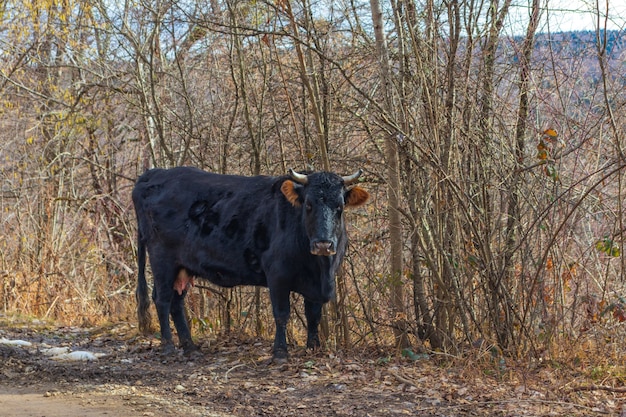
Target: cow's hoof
point(191, 351)
point(188, 346)
point(313, 345)
point(280, 356)
point(280, 360)
point(168, 349)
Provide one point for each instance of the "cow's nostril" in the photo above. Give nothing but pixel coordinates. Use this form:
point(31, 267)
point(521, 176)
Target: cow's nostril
point(324, 248)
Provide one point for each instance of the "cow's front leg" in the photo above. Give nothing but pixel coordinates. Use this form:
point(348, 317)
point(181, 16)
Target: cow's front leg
point(313, 313)
point(281, 309)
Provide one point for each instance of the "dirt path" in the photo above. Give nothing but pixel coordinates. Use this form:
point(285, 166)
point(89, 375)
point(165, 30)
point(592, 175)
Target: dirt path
point(235, 378)
point(38, 402)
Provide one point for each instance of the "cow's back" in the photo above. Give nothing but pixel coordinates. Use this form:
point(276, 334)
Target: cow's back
point(216, 226)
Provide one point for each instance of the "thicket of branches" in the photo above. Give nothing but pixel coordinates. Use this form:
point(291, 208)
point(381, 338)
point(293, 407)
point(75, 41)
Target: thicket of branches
point(493, 149)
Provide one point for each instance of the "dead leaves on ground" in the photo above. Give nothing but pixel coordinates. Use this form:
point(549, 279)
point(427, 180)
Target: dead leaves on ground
point(235, 377)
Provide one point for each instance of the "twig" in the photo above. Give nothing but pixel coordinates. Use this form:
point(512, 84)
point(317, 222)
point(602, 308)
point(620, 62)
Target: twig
point(597, 388)
point(404, 380)
point(211, 290)
point(231, 369)
point(54, 302)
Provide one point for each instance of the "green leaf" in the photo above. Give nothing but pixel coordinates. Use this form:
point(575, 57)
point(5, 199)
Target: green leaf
point(409, 354)
point(383, 361)
point(608, 246)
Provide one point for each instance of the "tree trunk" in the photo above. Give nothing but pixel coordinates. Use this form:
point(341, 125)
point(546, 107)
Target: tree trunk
point(501, 310)
point(393, 186)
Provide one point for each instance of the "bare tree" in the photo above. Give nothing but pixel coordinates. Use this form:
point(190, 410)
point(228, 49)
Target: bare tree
point(392, 135)
point(495, 157)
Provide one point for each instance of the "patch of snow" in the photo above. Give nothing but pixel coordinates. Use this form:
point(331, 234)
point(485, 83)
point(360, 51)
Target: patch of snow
point(55, 351)
point(18, 342)
point(77, 355)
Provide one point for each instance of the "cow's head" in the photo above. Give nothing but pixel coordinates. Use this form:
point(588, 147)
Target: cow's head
point(322, 197)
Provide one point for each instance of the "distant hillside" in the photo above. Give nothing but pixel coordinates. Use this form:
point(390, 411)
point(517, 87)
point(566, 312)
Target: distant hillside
point(574, 54)
point(577, 42)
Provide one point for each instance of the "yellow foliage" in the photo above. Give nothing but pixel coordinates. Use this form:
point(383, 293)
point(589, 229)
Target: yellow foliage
point(550, 134)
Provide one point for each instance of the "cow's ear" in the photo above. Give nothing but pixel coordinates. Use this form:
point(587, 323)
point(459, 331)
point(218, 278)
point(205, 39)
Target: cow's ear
point(289, 190)
point(356, 196)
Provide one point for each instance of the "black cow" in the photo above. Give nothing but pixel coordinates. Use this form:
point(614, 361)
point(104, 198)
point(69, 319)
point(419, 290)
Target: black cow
point(286, 233)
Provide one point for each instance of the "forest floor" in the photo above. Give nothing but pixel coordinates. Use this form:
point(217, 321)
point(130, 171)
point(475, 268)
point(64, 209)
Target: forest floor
point(235, 377)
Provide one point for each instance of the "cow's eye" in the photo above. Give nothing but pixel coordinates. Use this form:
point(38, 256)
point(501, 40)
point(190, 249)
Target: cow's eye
point(308, 206)
point(339, 210)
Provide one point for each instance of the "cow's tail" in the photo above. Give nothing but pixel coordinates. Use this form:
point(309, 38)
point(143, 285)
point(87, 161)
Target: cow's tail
point(143, 300)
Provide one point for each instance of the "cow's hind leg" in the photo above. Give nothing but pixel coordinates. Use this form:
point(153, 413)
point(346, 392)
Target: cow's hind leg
point(313, 313)
point(163, 294)
point(180, 321)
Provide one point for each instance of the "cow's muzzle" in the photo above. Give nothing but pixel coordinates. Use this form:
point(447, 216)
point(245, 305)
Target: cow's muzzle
point(323, 248)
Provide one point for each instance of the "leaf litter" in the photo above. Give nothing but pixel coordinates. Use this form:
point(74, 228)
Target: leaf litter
point(234, 376)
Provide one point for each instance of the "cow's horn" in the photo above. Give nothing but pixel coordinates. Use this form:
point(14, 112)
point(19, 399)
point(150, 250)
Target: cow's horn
point(350, 179)
point(297, 177)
